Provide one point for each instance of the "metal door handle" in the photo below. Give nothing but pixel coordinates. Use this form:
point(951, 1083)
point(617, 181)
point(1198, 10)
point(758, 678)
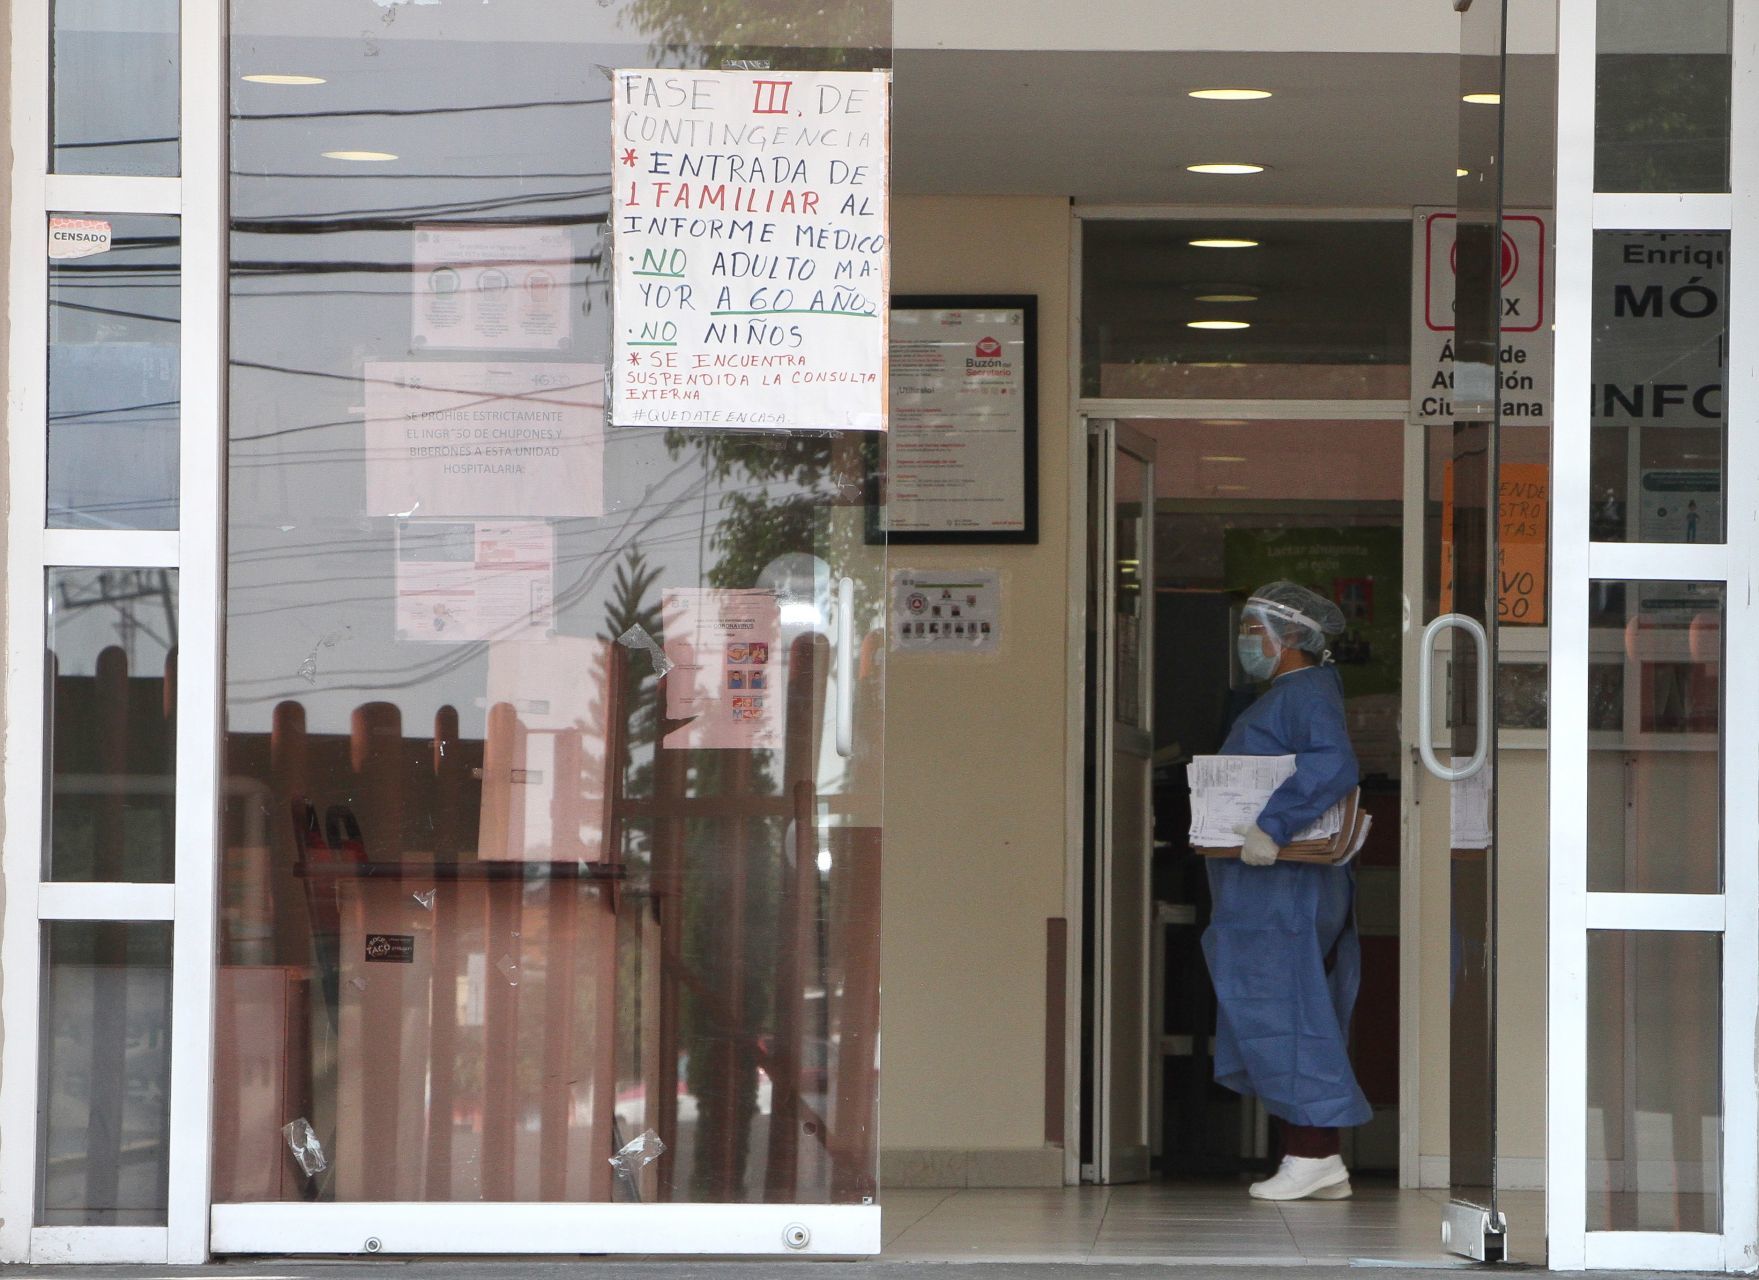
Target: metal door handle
point(845, 667)
point(1426, 698)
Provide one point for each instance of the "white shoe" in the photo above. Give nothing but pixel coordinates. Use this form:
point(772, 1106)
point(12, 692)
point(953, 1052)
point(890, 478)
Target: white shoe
point(1305, 1178)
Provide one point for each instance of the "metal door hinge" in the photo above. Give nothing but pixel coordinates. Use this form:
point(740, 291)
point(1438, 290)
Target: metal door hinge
point(1474, 1232)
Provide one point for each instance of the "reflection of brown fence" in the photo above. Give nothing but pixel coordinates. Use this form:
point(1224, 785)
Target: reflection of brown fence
point(487, 1052)
point(111, 817)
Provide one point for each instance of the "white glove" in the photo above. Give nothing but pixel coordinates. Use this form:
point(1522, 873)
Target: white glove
point(1256, 849)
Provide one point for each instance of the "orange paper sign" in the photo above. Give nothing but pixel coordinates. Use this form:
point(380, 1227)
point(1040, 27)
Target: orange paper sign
point(1523, 498)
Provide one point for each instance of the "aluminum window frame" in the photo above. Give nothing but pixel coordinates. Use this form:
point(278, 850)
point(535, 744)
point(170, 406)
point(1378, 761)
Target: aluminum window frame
point(194, 549)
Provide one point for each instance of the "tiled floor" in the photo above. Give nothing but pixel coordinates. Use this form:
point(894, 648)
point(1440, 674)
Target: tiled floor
point(1168, 1222)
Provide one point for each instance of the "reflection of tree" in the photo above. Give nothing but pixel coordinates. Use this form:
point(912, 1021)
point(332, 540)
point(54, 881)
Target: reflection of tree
point(775, 494)
point(1665, 125)
point(820, 35)
point(772, 490)
point(631, 605)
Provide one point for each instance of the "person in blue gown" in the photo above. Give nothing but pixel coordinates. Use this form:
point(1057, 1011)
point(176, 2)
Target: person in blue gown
point(1281, 944)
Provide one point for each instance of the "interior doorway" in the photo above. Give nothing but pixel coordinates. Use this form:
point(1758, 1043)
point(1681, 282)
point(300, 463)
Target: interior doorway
point(1256, 479)
point(1339, 529)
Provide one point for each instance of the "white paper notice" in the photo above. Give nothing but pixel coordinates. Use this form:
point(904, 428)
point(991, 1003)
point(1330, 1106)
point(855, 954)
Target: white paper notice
point(748, 216)
point(544, 775)
point(726, 675)
point(955, 455)
point(78, 237)
point(458, 583)
point(459, 439)
point(492, 288)
point(1229, 792)
point(959, 611)
point(1469, 809)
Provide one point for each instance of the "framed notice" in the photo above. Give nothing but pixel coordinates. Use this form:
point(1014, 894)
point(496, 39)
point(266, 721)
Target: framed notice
point(960, 463)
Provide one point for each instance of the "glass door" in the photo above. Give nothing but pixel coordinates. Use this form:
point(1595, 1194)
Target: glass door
point(1121, 465)
point(549, 898)
point(1462, 751)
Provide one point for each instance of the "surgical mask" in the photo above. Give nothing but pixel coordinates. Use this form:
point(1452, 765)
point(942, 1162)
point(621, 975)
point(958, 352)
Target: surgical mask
point(1253, 659)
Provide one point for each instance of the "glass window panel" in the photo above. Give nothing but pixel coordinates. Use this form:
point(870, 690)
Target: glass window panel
point(1654, 1081)
point(111, 725)
point(494, 902)
point(114, 376)
point(1324, 310)
point(115, 87)
point(1660, 358)
point(104, 1119)
point(1661, 101)
point(1655, 775)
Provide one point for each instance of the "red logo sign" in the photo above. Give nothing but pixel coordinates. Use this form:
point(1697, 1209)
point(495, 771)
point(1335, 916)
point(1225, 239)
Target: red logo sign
point(989, 349)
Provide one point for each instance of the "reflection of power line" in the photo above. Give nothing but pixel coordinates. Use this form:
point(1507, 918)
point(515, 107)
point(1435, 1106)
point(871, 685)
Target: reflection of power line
point(423, 673)
point(113, 142)
point(58, 304)
point(343, 113)
point(241, 176)
point(372, 545)
point(398, 217)
point(381, 112)
point(89, 415)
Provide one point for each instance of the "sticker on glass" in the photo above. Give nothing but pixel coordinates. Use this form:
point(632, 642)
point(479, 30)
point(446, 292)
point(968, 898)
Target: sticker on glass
point(78, 237)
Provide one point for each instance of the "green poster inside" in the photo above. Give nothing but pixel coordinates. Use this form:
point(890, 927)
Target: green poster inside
point(1357, 568)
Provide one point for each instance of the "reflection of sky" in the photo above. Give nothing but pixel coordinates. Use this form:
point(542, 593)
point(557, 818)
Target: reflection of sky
point(485, 129)
point(114, 380)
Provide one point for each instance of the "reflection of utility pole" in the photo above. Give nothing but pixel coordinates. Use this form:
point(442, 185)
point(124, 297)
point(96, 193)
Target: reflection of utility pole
point(119, 591)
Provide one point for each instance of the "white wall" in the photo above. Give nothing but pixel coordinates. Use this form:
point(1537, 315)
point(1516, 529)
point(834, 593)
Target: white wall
point(975, 811)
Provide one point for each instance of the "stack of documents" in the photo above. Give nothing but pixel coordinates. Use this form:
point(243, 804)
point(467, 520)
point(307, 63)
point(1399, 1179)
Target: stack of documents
point(1229, 792)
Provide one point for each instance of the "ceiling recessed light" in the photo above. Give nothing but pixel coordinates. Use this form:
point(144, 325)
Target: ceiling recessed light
point(1224, 168)
point(1229, 95)
point(1222, 242)
point(278, 79)
point(1227, 297)
point(1460, 173)
point(1482, 99)
point(373, 156)
point(1223, 457)
point(1217, 324)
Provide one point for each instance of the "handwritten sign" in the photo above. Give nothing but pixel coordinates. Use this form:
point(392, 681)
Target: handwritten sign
point(1524, 490)
point(749, 240)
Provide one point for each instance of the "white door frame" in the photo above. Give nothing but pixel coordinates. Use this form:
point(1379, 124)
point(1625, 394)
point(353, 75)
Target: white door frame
point(194, 550)
point(1733, 915)
point(1109, 1164)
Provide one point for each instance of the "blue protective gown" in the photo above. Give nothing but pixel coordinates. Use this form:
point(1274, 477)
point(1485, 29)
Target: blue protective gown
point(1282, 1020)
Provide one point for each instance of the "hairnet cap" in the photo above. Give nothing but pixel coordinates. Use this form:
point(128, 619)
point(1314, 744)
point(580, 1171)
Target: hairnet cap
point(1299, 606)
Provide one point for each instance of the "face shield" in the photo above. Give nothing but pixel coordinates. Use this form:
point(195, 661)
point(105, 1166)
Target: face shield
point(1283, 616)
